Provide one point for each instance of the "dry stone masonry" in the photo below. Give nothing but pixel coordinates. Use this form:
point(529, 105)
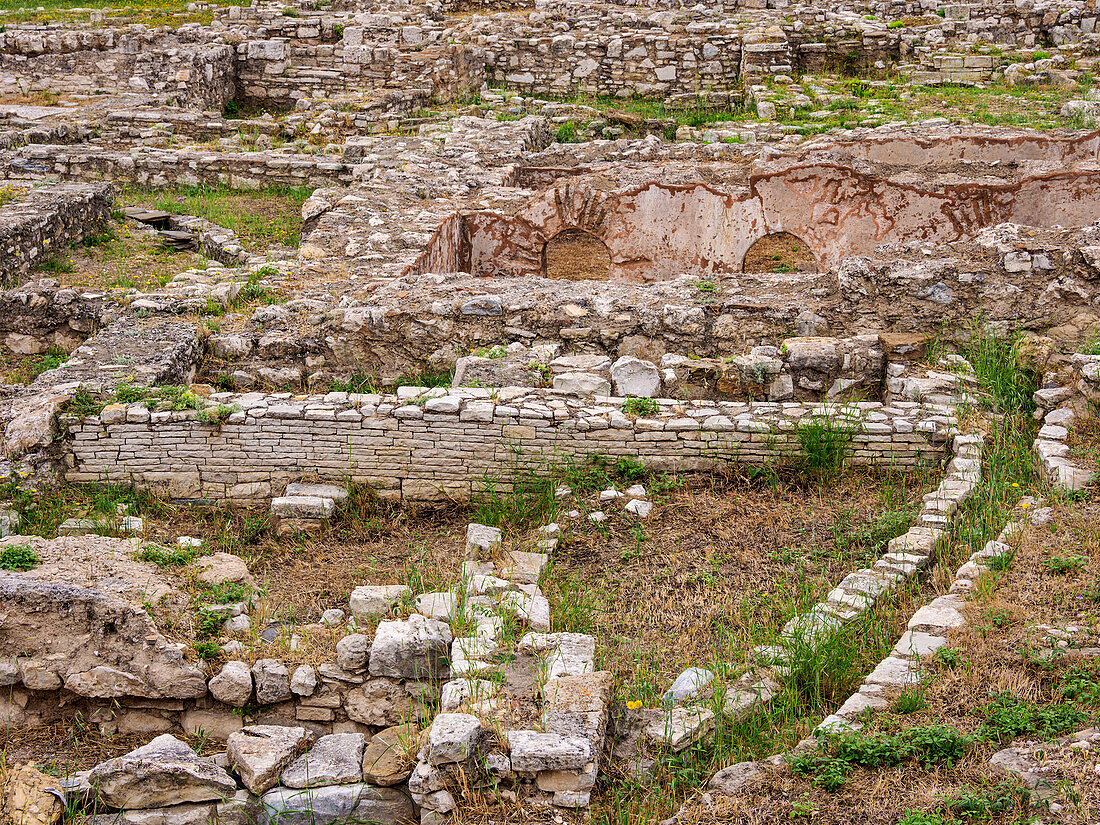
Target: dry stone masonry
point(687, 281)
point(426, 444)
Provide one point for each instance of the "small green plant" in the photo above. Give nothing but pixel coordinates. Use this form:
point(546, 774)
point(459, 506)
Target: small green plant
point(986, 803)
point(567, 133)
point(1081, 683)
point(19, 558)
point(1001, 562)
point(356, 383)
point(630, 469)
point(923, 818)
point(998, 616)
point(949, 656)
point(93, 239)
point(496, 351)
point(225, 592)
point(211, 308)
point(826, 772)
point(215, 414)
point(910, 700)
point(167, 557)
point(641, 406)
point(83, 403)
point(58, 264)
point(207, 651)
point(937, 744)
point(1060, 565)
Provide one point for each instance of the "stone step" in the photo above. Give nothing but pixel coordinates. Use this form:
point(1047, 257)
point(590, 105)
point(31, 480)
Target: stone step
point(303, 507)
point(336, 492)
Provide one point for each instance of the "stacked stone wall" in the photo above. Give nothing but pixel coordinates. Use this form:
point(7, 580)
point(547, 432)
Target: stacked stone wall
point(164, 167)
point(278, 73)
point(441, 444)
point(46, 220)
point(193, 73)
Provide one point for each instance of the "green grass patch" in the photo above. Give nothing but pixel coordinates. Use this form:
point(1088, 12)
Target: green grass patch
point(260, 217)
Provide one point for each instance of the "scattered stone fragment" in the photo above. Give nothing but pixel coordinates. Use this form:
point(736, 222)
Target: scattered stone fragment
point(388, 759)
point(680, 727)
point(378, 600)
point(25, 797)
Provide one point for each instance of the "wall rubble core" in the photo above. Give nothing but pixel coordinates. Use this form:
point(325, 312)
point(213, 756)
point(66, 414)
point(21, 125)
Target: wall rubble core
point(439, 444)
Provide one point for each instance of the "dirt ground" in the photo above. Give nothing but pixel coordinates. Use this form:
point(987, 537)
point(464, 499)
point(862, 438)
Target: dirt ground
point(780, 252)
point(1000, 652)
point(577, 256)
point(718, 564)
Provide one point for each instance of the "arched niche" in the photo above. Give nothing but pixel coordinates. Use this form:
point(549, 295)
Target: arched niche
point(577, 256)
point(780, 252)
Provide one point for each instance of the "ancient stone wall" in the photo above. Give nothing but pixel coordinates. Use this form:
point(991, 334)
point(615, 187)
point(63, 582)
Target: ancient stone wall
point(185, 68)
point(39, 315)
point(163, 167)
point(278, 73)
point(608, 62)
point(440, 444)
point(47, 219)
point(660, 231)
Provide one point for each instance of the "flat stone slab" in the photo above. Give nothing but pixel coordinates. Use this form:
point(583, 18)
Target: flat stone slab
point(375, 599)
point(258, 753)
point(916, 643)
point(892, 671)
point(336, 492)
point(681, 727)
point(335, 804)
point(336, 759)
point(939, 615)
point(303, 507)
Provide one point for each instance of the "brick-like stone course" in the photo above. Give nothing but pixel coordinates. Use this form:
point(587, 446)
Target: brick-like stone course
point(440, 444)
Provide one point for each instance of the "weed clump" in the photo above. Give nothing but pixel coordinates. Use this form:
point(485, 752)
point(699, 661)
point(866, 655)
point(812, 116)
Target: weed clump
point(641, 406)
point(18, 558)
point(825, 439)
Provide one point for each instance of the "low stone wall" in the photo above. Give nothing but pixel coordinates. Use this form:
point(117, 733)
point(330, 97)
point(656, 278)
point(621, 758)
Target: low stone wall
point(40, 314)
point(47, 219)
point(439, 445)
point(163, 167)
point(278, 73)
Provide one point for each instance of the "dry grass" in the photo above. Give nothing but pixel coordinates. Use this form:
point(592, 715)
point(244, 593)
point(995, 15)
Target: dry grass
point(999, 650)
point(1084, 440)
point(717, 567)
point(131, 259)
point(75, 744)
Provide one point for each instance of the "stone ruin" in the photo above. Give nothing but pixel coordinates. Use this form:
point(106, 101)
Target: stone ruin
point(557, 280)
